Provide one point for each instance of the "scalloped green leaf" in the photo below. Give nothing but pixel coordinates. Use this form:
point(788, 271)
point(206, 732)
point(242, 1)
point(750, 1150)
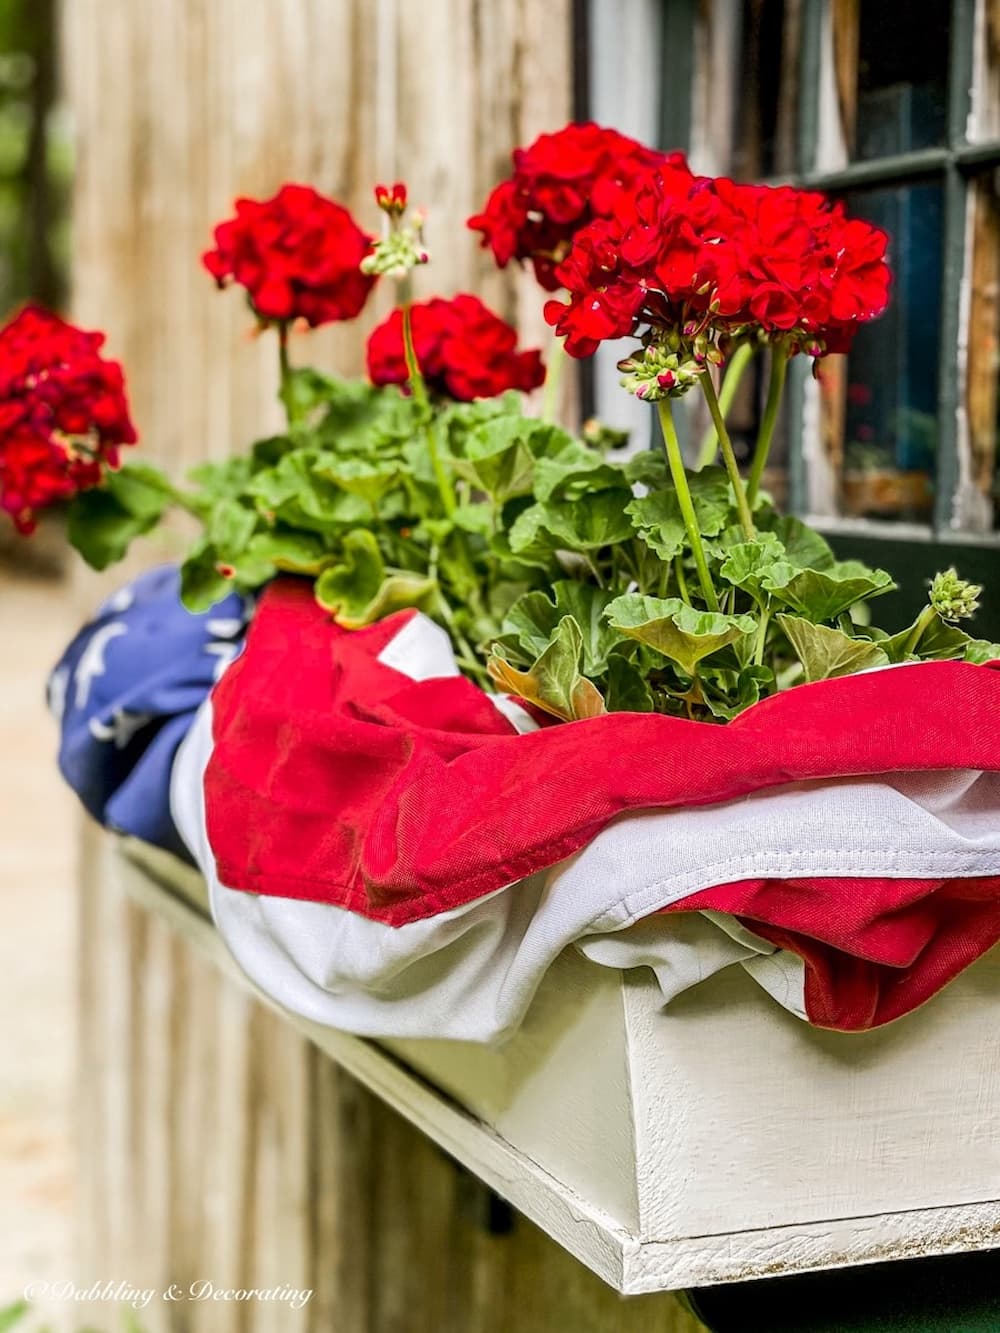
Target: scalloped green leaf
point(554, 681)
point(498, 465)
point(939, 642)
point(359, 590)
point(573, 525)
point(229, 528)
point(981, 651)
point(657, 516)
point(826, 653)
point(102, 522)
point(677, 631)
point(820, 595)
point(747, 564)
point(359, 476)
point(574, 472)
point(627, 688)
point(201, 583)
point(288, 551)
point(533, 618)
point(803, 545)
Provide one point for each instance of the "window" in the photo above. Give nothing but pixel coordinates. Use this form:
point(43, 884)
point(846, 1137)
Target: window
point(895, 109)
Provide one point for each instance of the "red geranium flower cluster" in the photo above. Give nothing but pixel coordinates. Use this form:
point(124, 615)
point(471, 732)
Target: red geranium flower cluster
point(560, 184)
point(710, 257)
point(63, 413)
point(298, 255)
point(463, 349)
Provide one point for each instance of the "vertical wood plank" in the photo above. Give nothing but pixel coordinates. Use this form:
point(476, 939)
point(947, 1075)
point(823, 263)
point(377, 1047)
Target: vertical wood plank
point(217, 1145)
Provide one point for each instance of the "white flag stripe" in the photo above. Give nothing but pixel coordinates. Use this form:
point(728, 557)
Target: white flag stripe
point(471, 973)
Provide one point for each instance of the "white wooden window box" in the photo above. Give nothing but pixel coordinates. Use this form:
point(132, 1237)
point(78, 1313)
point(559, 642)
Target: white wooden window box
point(715, 1140)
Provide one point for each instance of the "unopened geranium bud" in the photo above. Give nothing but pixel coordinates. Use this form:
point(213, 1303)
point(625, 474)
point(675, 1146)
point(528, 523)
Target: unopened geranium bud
point(391, 198)
point(952, 597)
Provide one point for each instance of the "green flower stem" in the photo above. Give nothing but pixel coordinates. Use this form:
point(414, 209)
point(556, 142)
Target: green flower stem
point(418, 387)
point(758, 654)
point(775, 390)
point(738, 363)
point(682, 583)
point(676, 463)
point(465, 657)
point(728, 456)
point(922, 624)
point(553, 376)
point(285, 380)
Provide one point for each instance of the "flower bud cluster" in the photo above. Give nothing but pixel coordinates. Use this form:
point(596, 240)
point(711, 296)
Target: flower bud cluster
point(666, 368)
point(952, 597)
point(401, 247)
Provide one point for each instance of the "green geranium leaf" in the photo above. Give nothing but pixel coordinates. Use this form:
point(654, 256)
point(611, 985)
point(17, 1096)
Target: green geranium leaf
point(266, 453)
point(748, 563)
point(530, 624)
point(201, 583)
point(498, 465)
point(657, 516)
point(825, 653)
point(823, 594)
point(648, 469)
point(230, 527)
point(359, 590)
point(574, 525)
point(533, 618)
point(294, 492)
point(306, 389)
point(587, 605)
point(359, 477)
point(476, 518)
point(575, 472)
point(540, 438)
point(804, 546)
point(287, 551)
point(229, 476)
point(554, 682)
point(628, 690)
point(939, 641)
point(351, 585)
point(104, 521)
point(981, 650)
point(678, 631)
point(751, 683)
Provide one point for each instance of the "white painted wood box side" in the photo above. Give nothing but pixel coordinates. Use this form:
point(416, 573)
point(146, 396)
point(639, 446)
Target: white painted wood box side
point(748, 1118)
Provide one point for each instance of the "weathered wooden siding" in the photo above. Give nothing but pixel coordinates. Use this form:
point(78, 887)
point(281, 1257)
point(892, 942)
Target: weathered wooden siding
point(216, 1144)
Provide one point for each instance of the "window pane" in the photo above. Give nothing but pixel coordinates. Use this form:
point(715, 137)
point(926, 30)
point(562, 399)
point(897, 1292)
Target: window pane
point(765, 124)
point(889, 66)
point(881, 401)
point(902, 76)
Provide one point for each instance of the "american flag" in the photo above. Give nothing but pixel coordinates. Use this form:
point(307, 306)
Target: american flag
point(392, 851)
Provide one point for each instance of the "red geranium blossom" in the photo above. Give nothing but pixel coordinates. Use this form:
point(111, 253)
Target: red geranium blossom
point(710, 257)
point(63, 413)
point(464, 350)
point(560, 184)
point(298, 255)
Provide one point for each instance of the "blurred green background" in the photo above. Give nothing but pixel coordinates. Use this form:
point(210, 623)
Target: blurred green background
point(35, 159)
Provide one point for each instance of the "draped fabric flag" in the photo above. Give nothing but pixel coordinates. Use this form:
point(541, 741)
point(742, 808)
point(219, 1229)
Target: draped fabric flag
point(392, 851)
